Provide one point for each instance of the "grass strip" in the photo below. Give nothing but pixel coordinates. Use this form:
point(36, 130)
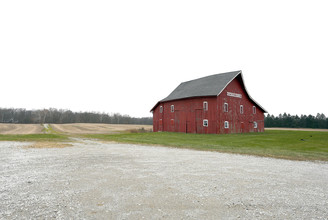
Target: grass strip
point(294, 145)
point(33, 137)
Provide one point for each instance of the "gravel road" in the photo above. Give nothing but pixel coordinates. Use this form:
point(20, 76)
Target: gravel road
point(95, 180)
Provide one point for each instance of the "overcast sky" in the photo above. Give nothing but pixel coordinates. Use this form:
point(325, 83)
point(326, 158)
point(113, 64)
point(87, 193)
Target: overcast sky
point(124, 56)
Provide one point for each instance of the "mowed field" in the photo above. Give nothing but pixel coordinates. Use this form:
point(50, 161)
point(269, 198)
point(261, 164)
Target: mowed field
point(77, 128)
point(90, 128)
point(297, 129)
point(285, 144)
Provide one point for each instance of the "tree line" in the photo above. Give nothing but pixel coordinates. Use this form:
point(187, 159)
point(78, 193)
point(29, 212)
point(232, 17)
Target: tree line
point(295, 121)
point(62, 116)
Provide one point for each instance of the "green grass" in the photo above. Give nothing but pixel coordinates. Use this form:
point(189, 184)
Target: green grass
point(295, 145)
point(49, 129)
point(33, 137)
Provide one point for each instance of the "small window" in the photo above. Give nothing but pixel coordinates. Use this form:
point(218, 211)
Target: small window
point(225, 108)
point(161, 109)
point(205, 123)
point(255, 124)
point(205, 106)
point(226, 124)
point(241, 109)
point(172, 108)
point(254, 110)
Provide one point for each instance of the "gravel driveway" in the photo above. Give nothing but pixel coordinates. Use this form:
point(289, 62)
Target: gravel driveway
point(95, 180)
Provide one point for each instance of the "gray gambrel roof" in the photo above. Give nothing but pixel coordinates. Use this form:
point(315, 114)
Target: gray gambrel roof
point(206, 86)
point(211, 85)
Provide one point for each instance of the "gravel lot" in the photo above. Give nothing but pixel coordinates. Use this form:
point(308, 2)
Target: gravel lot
point(95, 180)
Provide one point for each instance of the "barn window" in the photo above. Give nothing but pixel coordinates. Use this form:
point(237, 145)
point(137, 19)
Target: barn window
point(255, 124)
point(205, 123)
point(161, 109)
point(241, 109)
point(225, 107)
point(205, 106)
point(226, 124)
point(172, 108)
point(254, 110)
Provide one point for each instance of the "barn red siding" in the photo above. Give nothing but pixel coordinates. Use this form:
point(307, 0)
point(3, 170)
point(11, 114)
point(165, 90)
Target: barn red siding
point(238, 122)
point(189, 113)
point(187, 117)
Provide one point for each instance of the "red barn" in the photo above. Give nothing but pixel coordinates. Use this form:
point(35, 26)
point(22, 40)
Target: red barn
point(213, 104)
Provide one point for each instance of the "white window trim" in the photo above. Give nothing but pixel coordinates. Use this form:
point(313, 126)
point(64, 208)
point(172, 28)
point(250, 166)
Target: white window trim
point(241, 109)
point(161, 109)
point(224, 108)
point(172, 108)
point(226, 124)
point(205, 125)
point(254, 109)
point(205, 106)
point(255, 124)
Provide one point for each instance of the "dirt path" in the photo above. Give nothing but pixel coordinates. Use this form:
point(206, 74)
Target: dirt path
point(94, 180)
point(21, 128)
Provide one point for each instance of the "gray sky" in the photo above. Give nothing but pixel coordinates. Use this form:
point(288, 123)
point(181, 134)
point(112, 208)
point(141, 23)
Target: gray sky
point(124, 56)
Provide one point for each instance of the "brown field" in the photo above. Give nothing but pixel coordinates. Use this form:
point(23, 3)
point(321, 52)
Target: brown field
point(21, 129)
point(85, 128)
point(78, 128)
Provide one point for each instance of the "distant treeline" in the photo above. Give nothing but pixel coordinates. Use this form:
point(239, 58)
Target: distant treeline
point(60, 116)
point(295, 121)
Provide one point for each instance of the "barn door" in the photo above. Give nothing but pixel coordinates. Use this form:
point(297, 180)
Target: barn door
point(177, 121)
point(242, 127)
point(188, 127)
point(160, 126)
point(199, 122)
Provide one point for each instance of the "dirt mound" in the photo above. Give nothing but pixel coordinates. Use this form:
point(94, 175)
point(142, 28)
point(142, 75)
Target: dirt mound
point(49, 145)
point(84, 128)
point(21, 129)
